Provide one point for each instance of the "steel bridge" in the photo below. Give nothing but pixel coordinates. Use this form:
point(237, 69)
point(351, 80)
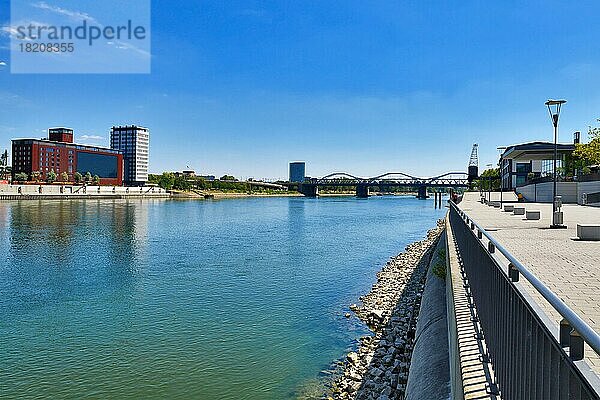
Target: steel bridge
point(310, 186)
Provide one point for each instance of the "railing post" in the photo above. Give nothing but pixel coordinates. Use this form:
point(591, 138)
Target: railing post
point(564, 333)
point(479, 234)
point(491, 247)
point(575, 346)
point(513, 273)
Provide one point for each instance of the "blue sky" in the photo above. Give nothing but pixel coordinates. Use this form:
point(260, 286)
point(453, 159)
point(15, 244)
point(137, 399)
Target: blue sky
point(243, 87)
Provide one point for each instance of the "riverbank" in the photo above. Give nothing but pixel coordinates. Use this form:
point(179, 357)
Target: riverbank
point(379, 368)
point(217, 195)
point(201, 195)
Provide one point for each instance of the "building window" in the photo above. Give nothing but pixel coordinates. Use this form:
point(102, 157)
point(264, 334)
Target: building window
point(523, 168)
point(548, 167)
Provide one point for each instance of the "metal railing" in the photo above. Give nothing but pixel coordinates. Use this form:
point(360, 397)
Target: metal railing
point(529, 360)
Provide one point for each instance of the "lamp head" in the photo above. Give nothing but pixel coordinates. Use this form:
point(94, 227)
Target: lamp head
point(551, 102)
point(554, 109)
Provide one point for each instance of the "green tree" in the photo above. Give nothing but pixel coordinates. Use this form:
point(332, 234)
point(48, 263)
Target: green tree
point(587, 154)
point(51, 176)
point(200, 183)
point(489, 178)
point(153, 178)
point(181, 183)
point(166, 180)
point(64, 177)
point(88, 177)
point(35, 176)
point(96, 180)
point(77, 177)
point(21, 177)
point(228, 178)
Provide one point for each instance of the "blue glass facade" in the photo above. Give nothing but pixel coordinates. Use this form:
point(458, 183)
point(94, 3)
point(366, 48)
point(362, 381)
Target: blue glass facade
point(297, 171)
point(103, 165)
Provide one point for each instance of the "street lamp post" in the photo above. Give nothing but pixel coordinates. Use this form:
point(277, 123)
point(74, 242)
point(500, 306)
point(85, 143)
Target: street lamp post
point(554, 107)
point(501, 171)
point(489, 166)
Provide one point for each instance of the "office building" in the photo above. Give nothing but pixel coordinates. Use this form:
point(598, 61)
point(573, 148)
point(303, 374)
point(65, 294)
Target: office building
point(133, 142)
point(297, 171)
point(58, 153)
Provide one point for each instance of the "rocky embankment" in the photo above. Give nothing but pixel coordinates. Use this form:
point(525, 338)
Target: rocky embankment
point(379, 368)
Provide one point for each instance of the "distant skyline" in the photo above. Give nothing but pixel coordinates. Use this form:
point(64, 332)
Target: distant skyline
point(245, 87)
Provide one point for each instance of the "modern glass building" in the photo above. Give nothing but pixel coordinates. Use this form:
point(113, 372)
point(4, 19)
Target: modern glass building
point(521, 163)
point(297, 171)
point(61, 155)
point(133, 142)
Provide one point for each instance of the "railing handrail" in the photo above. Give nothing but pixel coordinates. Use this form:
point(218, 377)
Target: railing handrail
point(589, 335)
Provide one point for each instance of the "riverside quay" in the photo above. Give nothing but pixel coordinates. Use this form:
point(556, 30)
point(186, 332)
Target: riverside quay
point(523, 299)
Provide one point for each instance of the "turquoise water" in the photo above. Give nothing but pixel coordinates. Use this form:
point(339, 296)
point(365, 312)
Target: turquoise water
point(233, 299)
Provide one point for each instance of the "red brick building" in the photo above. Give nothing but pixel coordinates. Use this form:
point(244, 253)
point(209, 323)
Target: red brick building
point(58, 153)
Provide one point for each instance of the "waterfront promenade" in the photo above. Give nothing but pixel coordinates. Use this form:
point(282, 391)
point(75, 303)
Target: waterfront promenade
point(570, 268)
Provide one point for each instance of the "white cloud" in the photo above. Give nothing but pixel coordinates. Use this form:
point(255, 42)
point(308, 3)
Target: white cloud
point(74, 15)
point(91, 137)
point(2, 63)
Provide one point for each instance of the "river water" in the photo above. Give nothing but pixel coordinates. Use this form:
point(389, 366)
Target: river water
point(231, 299)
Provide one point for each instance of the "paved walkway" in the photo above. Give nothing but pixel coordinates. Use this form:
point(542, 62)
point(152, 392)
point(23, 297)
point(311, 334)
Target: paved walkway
point(571, 269)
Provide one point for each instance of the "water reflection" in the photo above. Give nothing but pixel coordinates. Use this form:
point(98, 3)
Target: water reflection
point(56, 249)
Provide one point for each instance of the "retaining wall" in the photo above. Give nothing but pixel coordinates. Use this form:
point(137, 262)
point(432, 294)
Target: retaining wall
point(15, 192)
point(587, 187)
point(542, 192)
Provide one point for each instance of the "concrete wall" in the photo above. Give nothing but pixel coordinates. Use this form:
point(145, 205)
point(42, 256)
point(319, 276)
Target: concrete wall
point(542, 192)
point(587, 187)
point(429, 373)
point(79, 190)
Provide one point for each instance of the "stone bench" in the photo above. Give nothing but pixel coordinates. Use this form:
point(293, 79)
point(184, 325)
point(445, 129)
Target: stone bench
point(533, 214)
point(519, 210)
point(509, 208)
point(588, 232)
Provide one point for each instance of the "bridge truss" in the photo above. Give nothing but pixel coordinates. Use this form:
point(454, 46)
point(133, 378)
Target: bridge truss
point(449, 179)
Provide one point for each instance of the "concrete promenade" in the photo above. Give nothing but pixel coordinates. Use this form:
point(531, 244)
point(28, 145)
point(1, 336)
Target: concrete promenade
point(570, 268)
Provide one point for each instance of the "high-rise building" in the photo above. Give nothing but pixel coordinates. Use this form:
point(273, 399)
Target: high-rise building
point(132, 141)
point(297, 171)
point(38, 157)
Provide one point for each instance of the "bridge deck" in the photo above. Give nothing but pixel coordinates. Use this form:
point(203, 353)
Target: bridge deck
point(571, 269)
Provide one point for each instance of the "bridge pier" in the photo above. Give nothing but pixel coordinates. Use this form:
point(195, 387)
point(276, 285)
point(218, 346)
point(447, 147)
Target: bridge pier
point(308, 190)
point(362, 191)
point(422, 193)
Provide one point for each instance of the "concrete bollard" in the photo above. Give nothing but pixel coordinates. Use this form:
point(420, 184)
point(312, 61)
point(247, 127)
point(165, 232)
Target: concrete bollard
point(533, 214)
point(519, 210)
point(588, 232)
point(509, 208)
